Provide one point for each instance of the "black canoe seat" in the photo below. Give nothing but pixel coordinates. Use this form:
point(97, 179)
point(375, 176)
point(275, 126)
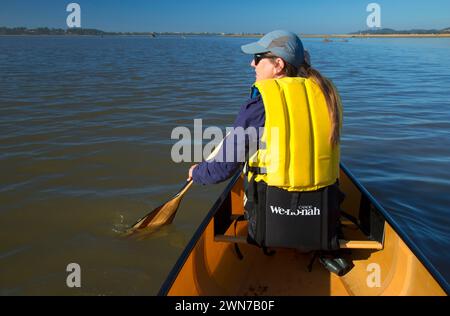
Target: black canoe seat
point(368, 221)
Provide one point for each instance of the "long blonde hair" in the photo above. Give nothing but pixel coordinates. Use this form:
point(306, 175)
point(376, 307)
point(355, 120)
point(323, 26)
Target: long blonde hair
point(330, 93)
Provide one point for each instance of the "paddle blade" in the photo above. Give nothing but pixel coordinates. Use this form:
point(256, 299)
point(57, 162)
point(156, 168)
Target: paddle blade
point(162, 215)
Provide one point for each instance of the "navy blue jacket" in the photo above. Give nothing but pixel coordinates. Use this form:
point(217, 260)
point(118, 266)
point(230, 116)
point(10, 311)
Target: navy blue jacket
point(251, 114)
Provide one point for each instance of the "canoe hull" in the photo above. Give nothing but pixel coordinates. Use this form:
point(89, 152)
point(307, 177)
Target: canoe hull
point(209, 267)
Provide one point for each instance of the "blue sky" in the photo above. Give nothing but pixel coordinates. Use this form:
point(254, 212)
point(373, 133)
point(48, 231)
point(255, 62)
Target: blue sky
point(320, 16)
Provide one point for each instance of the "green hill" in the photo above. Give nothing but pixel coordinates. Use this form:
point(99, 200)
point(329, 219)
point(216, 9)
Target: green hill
point(387, 31)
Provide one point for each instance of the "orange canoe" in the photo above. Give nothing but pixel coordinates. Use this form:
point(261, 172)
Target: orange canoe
point(385, 261)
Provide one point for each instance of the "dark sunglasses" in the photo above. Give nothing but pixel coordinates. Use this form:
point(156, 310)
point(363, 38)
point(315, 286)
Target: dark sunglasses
point(258, 57)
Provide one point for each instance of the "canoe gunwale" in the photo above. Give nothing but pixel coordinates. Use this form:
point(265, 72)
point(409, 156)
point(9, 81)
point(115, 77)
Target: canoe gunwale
point(400, 232)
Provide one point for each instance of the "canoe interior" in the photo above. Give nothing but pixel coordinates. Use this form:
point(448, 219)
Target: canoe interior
point(210, 267)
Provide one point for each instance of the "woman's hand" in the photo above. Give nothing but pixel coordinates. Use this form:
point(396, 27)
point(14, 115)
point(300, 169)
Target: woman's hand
point(191, 170)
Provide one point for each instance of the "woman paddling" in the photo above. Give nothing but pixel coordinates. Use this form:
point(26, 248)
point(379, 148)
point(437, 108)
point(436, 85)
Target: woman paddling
point(291, 188)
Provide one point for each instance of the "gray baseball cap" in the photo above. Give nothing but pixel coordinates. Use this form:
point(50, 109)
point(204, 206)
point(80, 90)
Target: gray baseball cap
point(284, 44)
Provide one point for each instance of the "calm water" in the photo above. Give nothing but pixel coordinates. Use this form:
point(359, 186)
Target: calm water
point(85, 126)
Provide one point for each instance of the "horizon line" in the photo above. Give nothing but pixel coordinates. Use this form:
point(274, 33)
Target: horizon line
point(228, 33)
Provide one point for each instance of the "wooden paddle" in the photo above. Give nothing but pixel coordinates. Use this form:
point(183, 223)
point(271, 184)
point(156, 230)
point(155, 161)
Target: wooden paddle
point(165, 213)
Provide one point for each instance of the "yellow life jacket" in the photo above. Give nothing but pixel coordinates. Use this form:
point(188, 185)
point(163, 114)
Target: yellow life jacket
point(295, 153)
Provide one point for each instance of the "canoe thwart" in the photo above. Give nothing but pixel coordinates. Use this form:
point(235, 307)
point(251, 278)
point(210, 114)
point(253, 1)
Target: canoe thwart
point(360, 244)
point(343, 244)
point(231, 239)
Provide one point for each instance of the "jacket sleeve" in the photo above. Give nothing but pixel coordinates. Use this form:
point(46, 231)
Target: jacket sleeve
point(234, 151)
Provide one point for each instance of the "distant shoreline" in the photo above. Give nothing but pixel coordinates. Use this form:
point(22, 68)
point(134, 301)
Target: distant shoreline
point(324, 36)
point(376, 33)
point(353, 35)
